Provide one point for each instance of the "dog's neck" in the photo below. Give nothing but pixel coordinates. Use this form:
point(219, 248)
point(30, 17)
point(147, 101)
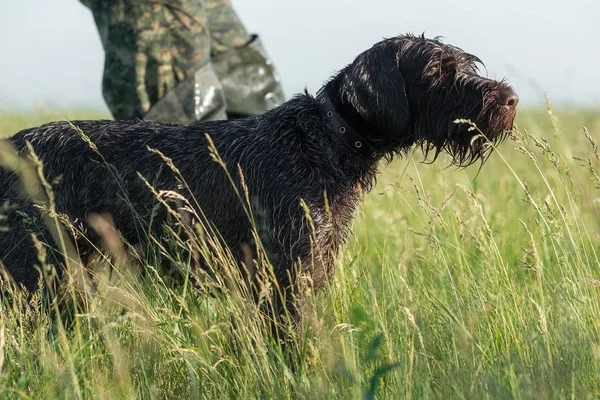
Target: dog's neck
point(359, 155)
point(378, 143)
point(347, 133)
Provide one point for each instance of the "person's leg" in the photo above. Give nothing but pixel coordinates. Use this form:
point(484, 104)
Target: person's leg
point(157, 63)
point(225, 27)
point(249, 78)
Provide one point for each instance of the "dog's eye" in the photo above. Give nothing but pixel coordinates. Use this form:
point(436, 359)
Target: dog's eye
point(448, 64)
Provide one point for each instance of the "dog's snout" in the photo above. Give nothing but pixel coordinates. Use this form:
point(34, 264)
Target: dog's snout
point(508, 98)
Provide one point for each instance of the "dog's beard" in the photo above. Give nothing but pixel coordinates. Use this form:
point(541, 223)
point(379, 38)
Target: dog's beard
point(467, 135)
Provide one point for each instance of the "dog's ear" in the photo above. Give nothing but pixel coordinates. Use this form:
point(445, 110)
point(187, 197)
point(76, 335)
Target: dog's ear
point(376, 89)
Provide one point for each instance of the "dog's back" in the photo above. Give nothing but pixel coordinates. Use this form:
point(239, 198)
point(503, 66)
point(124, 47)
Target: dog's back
point(92, 167)
point(106, 166)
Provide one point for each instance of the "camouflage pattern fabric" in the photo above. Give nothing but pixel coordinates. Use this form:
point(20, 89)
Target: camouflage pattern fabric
point(151, 47)
point(226, 29)
point(249, 79)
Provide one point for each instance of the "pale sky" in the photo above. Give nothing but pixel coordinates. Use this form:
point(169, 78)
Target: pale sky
point(50, 50)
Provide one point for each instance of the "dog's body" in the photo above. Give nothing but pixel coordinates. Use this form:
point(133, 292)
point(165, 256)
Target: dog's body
point(404, 91)
point(272, 180)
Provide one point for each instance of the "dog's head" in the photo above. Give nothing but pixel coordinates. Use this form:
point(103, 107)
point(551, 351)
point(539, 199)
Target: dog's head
point(412, 90)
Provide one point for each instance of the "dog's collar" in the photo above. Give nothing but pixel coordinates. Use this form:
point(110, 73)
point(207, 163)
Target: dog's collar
point(349, 136)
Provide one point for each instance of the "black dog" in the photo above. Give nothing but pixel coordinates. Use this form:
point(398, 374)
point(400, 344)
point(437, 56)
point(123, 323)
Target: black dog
point(321, 152)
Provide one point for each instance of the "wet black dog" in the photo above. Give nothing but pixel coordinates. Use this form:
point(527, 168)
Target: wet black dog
point(324, 151)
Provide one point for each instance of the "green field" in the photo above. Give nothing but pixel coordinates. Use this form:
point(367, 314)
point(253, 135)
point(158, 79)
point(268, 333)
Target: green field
point(455, 284)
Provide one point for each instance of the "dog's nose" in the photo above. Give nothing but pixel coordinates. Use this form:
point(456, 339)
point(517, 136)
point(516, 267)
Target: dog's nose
point(507, 98)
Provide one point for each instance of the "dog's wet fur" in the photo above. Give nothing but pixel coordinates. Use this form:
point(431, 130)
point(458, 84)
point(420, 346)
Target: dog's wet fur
point(402, 92)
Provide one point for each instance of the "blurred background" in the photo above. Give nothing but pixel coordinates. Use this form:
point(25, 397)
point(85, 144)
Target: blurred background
point(51, 53)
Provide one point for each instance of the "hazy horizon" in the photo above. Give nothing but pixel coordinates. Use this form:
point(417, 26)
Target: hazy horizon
point(52, 53)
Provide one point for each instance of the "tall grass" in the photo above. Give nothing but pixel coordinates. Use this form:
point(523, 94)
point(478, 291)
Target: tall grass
point(456, 283)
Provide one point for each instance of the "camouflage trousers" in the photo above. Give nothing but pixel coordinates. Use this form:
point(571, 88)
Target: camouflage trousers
point(181, 61)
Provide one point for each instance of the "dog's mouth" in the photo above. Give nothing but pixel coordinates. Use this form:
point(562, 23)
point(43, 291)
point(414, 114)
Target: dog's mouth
point(478, 138)
point(469, 140)
point(497, 116)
